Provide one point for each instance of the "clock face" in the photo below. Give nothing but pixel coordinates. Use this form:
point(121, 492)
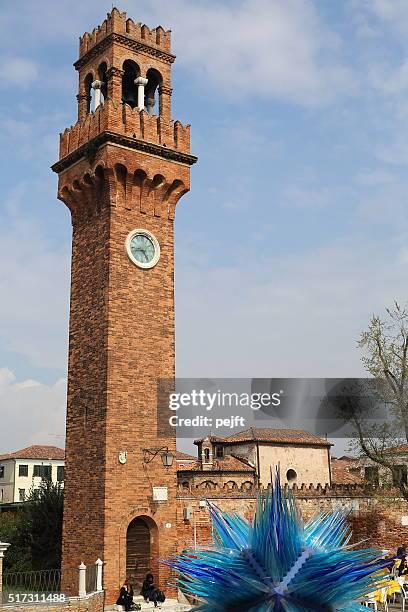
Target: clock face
point(143, 248)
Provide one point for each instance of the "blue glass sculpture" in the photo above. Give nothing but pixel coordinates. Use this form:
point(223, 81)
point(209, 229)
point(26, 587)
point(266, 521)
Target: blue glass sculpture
point(278, 563)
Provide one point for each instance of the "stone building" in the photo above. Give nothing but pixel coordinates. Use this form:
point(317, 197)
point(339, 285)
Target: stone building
point(23, 471)
point(226, 471)
point(366, 470)
point(301, 457)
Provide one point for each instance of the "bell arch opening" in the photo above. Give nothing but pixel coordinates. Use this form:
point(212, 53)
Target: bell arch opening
point(142, 551)
point(154, 80)
point(129, 89)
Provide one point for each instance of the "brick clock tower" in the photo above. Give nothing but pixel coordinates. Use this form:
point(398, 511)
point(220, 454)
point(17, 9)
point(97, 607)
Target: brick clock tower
point(122, 169)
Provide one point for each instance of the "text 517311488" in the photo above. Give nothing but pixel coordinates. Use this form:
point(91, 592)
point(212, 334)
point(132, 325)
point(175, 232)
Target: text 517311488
point(20, 598)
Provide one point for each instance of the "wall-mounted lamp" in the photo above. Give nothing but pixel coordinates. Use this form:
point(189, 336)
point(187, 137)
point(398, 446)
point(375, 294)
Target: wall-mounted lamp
point(167, 456)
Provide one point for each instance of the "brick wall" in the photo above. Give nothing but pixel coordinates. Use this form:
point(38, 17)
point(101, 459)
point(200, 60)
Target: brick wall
point(375, 517)
point(129, 122)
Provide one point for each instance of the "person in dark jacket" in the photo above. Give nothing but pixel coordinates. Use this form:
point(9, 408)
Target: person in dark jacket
point(401, 551)
point(402, 569)
point(125, 598)
point(149, 590)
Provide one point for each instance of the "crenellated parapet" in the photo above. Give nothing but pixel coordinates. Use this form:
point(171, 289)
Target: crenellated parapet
point(156, 41)
point(130, 122)
point(304, 491)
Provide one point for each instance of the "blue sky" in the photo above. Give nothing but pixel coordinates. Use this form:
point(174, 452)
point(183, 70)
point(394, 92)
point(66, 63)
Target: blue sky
point(295, 229)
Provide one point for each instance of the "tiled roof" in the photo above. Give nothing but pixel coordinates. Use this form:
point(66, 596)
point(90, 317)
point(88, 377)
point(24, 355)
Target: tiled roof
point(37, 452)
point(341, 474)
point(401, 448)
point(184, 457)
point(210, 438)
point(227, 464)
point(345, 458)
point(281, 436)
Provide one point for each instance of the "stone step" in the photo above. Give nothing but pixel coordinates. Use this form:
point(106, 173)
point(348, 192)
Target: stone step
point(170, 605)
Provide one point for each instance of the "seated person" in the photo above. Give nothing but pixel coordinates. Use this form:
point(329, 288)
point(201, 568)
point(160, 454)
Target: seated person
point(402, 569)
point(401, 552)
point(125, 598)
point(149, 590)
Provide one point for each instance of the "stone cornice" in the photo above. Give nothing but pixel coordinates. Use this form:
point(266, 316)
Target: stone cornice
point(125, 41)
point(89, 149)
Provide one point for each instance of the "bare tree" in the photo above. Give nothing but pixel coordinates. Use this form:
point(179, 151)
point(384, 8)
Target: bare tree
point(383, 440)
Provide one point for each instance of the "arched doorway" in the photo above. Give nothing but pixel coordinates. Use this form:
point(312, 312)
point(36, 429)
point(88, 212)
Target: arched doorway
point(141, 550)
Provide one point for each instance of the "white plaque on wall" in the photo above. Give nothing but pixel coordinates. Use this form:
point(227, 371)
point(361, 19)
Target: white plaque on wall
point(404, 521)
point(160, 494)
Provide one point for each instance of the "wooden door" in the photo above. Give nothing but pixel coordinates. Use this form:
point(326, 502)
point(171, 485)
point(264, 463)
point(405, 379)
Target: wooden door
point(137, 553)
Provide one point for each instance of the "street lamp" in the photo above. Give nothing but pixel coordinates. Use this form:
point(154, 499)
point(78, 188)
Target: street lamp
point(167, 456)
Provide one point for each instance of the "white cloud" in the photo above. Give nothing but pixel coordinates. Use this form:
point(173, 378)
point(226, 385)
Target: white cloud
point(34, 285)
point(394, 150)
point(268, 48)
point(404, 255)
point(372, 178)
point(33, 137)
point(295, 316)
point(385, 207)
point(307, 198)
point(20, 72)
point(389, 79)
point(393, 12)
point(243, 50)
point(31, 413)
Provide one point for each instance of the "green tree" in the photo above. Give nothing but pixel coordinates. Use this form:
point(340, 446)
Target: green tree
point(41, 525)
point(35, 530)
point(17, 557)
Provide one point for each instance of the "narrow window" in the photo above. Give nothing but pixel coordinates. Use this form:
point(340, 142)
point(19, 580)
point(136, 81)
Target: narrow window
point(47, 472)
point(219, 452)
point(399, 475)
point(23, 470)
point(37, 471)
point(371, 475)
point(21, 495)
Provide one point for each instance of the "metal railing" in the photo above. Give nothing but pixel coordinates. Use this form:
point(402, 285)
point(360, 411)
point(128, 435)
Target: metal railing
point(52, 585)
point(41, 581)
